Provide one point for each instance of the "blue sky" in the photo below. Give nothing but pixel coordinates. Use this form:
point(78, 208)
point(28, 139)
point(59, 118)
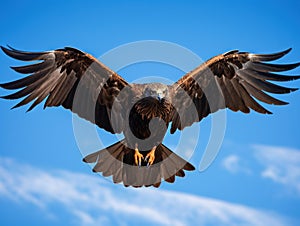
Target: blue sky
point(255, 179)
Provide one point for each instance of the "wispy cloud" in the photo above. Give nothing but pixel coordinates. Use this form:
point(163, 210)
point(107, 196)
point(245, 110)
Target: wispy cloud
point(281, 164)
point(234, 164)
point(231, 163)
point(92, 200)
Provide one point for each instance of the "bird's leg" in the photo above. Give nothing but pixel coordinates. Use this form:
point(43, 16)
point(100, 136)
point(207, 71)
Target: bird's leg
point(150, 156)
point(138, 156)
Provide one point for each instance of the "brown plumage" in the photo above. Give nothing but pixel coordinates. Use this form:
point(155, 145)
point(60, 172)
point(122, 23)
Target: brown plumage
point(142, 112)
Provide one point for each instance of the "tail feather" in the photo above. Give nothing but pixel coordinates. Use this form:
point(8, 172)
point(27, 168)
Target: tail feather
point(117, 161)
point(180, 173)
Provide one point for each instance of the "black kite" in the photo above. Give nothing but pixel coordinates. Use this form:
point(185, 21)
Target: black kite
point(142, 112)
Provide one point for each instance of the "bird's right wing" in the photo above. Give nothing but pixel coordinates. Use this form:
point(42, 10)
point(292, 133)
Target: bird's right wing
point(72, 79)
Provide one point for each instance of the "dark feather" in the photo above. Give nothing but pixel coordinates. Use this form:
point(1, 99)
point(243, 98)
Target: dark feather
point(33, 67)
point(27, 90)
point(271, 76)
point(242, 105)
point(20, 55)
point(264, 85)
point(269, 57)
point(264, 67)
point(26, 81)
point(249, 101)
point(260, 95)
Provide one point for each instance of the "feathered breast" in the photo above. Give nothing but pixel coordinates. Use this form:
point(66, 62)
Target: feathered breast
point(149, 107)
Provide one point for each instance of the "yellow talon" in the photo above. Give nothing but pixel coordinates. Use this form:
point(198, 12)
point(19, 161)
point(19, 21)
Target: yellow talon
point(138, 157)
point(151, 156)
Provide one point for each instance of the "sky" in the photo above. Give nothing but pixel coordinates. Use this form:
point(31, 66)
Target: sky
point(255, 177)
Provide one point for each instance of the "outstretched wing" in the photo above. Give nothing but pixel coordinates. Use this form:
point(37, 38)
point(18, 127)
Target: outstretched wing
point(70, 78)
point(234, 80)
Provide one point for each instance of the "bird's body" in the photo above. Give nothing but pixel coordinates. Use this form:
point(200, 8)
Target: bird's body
point(143, 112)
point(149, 116)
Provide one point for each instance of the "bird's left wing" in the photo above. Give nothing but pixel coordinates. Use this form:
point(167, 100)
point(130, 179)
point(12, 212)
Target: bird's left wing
point(234, 80)
point(69, 78)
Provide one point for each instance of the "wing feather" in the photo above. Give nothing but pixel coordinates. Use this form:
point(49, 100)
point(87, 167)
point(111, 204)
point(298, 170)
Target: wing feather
point(22, 55)
point(28, 69)
point(264, 85)
point(260, 95)
point(269, 57)
point(266, 67)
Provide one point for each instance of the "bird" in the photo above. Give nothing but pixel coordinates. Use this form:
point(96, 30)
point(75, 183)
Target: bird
point(144, 113)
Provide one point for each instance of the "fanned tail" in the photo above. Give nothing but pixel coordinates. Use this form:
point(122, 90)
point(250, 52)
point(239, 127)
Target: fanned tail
point(117, 161)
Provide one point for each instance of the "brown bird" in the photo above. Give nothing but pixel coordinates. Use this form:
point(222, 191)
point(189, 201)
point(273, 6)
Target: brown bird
point(142, 112)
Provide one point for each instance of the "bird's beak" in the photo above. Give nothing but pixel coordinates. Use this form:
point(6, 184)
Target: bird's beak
point(159, 97)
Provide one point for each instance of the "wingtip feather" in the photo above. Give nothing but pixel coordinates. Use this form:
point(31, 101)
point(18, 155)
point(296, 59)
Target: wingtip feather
point(5, 50)
point(284, 52)
point(293, 89)
point(21, 55)
point(271, 56)
point(15, 106)
point(11, 48)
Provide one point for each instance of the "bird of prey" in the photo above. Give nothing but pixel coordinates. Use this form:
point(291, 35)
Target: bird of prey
point(79, 82)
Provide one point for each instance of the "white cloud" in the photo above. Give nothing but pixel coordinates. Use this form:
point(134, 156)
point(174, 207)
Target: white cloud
point(91, 200)
point(231, 163)
point(85, 218)
point(281, 164)
point(234, 164)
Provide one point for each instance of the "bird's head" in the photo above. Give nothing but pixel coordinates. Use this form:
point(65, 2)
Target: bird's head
point(158, 91)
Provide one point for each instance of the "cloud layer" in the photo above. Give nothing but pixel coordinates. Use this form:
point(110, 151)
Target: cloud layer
point(91, 200)
point(281, 164)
